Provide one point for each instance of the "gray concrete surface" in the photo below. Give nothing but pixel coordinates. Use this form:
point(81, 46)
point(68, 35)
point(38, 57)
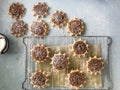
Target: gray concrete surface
point(102, 18)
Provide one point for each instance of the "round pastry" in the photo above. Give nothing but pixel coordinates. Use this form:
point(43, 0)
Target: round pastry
point(40, 10)
point(39, 79)
point(76, 27)
point(19, 28)
point(76, 78)
point(4, 44)
point(39, 28)
point(58, 19)
point(16, 10)
point(60, 61)
point(39, 53)
point(80, 47)
point(95, 65)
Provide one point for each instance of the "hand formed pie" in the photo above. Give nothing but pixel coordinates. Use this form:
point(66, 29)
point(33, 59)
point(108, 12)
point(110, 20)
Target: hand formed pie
point(80, 47)
point(95, 65)
point(39, 28)
point(59, 19)
point(39, 79)
point(16, 10)
point(76, 27)
point(40, 10)
point(76, 78)
point(40, 53)
point(60, 61)
point(19, 28)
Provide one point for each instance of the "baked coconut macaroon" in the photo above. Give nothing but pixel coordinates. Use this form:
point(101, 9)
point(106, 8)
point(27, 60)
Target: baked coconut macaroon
point(95, 65)
point(59, 19)
point(40, 10)
point(76, 27)
point(39, 79)
point(60, 61)
point(80, 47)
point(76, 78)
point(16, 10)
point(19, 28)
point(40, 53)
point(39, 28)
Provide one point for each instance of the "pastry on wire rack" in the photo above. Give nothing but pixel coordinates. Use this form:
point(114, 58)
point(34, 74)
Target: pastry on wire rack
point(16, 10)
point(39, 79)
point(19, 28)
point(76, 27)
point(40, 53)
point(80, 47)
point(95, 65)
point(60, 61)
point(59, 19)
point(40, 10)
point(76, 78)
point(39, 28)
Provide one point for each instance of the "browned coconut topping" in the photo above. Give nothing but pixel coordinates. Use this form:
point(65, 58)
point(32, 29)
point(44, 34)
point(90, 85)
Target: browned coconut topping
point(19, 28)
point(40, 10)
point(59, 19)
point(95, 65)
point(60, 61)
point(16, 10)
point(39, 28)
point(77, 78)
point(39, 53)
point(80, 47)
point(38, 79)
point(76, 27)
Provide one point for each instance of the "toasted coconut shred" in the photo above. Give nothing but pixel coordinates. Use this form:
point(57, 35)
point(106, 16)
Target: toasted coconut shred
point(40, 53)
point(40, 10)
point(60, 61)
point(59, 19)
point(95, 65)
point(76, 78)
point(80, 47)
point(76, 27)
point(39, 28)
point(39, 79)
point(19, 28)
point(16, 10)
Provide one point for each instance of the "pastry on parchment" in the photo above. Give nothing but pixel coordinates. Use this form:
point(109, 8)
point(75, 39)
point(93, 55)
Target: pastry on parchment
point(76, 78)
point(40, 10)
point(39, 28)
point(80, 47)
point(59, 19)
point(39, 79)
point(16, 10)
point(60, 61)
point(19, 28)
point(40, 53)
point(76, 27)
point(95, 65)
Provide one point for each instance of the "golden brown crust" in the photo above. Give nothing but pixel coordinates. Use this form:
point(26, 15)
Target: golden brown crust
point(39, 79)
point(59, 19)
point(95, 65)
point(39, 28)
point(40, 53)
point(60, 61)
point(80, 47)
point(19, 28)
point(40, 10)
point(76, 78)
point(76, 27)
point(16, 10)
